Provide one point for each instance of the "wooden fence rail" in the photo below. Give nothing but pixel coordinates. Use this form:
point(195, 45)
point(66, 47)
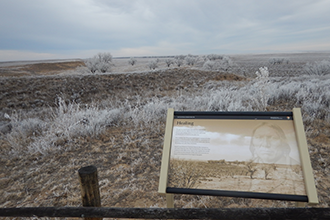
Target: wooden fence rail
point(91, 210)
point(171, 213)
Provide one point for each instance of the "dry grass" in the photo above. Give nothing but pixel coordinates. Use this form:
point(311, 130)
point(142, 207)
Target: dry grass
point(128, 152)
point(39, 69)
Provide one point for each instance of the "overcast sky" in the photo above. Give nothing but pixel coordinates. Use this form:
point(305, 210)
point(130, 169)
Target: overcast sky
point(47, 29)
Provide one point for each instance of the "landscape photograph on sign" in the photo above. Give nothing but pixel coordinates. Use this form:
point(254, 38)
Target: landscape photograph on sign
point(236, 155)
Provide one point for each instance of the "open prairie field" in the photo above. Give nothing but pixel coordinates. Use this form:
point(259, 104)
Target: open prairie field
point(57, 117)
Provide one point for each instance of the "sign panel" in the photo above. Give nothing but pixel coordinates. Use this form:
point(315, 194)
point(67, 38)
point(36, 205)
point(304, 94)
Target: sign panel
point(240, 154)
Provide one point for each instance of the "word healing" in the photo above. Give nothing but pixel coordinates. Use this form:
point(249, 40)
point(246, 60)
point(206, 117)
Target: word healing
point(185, 123)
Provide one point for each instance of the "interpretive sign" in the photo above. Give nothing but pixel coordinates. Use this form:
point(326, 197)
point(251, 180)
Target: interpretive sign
point(240, 154)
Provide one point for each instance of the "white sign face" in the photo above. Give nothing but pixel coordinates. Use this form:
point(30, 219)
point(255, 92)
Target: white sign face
point(239, 155)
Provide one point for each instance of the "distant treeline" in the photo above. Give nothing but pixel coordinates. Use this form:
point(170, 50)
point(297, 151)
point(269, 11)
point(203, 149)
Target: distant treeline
point(145, 57)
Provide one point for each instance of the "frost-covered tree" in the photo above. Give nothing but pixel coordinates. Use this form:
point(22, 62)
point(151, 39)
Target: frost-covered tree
point(191, 60)
point(153, 64)
point(178, 60)
point(209, 65)
point(132, 61)
point(101, 62)
point(180, 57)
point(214, 57)
point(223, 64)
point(169, 62)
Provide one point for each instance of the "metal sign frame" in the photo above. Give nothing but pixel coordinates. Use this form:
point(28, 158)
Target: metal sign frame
point(311, 194)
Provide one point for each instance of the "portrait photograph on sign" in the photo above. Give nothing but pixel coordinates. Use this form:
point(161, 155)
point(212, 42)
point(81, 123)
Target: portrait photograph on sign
point(259, 156)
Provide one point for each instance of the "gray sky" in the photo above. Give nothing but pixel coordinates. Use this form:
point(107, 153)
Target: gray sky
point(40, 29)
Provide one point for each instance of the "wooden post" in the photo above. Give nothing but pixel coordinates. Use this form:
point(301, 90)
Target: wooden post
point(90, 193)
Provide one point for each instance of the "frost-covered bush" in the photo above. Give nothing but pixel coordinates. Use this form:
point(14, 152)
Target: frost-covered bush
point(209, 65)
point(318, 68)
point(153, 64)
point(180, 57)
point(312, 95)
point(82, 70)
point(132, 61)
point(214, 57)
point(262, 81)
point(169, 62)
point(101, 62)
point(275, 61)
point(178, 60)
point(23, 131)
point(191, 60)
point(66, 123)
point(223, 64)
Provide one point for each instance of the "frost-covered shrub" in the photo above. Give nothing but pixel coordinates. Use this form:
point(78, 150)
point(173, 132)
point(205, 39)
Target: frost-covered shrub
point(312, 95)
point(132, 61)
point(180, 57)
point(67, 122)
point(23, 131)
point(178, 60)
point(314, 98)
point(82, 70)
point(147, 113)
point(169, 62)
point(275, 61)
point(262, 81)
point(209, 65)
point(214, 57)
point(318, 68)
point(101, 62)
point(223, 64)
point(153, 64)
point(191, 60)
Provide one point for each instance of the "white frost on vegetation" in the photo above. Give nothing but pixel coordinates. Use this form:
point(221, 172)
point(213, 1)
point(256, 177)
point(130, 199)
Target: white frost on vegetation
point(69, 121)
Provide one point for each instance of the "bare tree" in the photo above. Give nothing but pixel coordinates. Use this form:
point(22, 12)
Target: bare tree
point(268, 169)
point(251, 167)
point(184, 174)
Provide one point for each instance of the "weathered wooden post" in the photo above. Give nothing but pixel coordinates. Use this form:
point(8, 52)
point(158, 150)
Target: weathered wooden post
point(90, 193)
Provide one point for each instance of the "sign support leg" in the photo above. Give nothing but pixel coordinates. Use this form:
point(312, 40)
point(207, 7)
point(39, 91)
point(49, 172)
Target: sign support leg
point(169, 200)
